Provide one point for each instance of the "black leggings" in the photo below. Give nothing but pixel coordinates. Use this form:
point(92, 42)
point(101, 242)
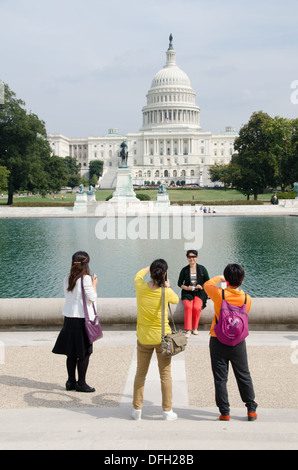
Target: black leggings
point(82, 364)
point(221, 355)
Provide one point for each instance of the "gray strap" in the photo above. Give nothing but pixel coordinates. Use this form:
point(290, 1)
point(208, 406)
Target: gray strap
point(174, 326)
point(163, 314)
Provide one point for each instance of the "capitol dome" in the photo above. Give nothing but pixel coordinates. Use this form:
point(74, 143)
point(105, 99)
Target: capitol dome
point(170, 75)
point(171, 99)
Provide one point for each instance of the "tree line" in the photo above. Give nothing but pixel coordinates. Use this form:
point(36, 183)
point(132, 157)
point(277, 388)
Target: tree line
point(26, 159)
point(267, 156)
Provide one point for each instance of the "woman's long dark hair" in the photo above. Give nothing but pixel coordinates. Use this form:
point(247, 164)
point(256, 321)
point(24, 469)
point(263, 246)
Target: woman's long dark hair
point(79, 267)
point(157, 270)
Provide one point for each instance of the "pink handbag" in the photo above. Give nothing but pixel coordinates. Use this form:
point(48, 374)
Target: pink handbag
point(93, 327)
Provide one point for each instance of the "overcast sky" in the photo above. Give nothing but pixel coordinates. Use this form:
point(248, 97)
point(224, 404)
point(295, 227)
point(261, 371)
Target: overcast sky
point(86, 66)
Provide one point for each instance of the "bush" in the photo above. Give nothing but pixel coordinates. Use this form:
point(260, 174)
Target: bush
point(143, 197)
point(289, 195)
point(241, 202)
point(42, 204)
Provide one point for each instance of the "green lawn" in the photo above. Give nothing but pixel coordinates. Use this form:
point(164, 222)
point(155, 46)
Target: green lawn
point(202, 195)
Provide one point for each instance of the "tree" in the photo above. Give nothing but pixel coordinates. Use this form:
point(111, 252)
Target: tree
point(4, 174)
point(55, 169)
point(71, 166)
point(22, 136)
point(221, 172)
point(267, 156)
point(283, 134)
point(72, 172)
point(293, 158)
point(253, 145)
point(232, 176)
point(95, 168)
point(73, 181)
point(94, 180)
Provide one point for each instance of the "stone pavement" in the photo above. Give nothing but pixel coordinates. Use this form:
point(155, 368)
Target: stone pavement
point(36, 412)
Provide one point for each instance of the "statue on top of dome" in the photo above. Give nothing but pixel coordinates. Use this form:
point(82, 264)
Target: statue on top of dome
point(123, 155)
point(171, 41)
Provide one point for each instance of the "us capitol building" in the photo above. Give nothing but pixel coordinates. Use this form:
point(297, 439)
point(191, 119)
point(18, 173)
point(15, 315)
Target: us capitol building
point(170, 146)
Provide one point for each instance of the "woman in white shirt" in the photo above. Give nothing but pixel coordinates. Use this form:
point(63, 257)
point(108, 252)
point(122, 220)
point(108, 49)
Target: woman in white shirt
point(73, 340)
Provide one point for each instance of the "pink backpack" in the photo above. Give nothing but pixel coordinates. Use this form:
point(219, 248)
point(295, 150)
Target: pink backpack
point(232, 325)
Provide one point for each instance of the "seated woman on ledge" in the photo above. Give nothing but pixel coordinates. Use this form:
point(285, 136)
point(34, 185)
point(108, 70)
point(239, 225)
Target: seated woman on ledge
point(194, 298)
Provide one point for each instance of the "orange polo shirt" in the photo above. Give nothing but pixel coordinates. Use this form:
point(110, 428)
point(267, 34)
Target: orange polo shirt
point(233, 296)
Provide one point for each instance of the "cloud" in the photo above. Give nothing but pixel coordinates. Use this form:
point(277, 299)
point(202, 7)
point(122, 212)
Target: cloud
point(85, 67)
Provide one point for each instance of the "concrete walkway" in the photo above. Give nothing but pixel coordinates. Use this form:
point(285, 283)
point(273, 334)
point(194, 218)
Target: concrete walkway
point(146, 208)
point(36, 412)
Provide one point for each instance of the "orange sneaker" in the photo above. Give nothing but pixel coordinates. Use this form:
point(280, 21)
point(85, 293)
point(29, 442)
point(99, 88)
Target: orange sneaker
point(251, 416)
point(224, 418)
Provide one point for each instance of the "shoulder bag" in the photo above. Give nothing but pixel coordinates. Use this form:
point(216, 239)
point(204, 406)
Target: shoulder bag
point(93, 327)
point(175, 342)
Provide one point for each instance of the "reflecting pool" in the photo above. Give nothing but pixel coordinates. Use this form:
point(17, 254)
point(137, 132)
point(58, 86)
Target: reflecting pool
point(36, 255)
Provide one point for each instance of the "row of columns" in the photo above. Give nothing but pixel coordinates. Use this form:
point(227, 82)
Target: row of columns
point(167, 116)
point(161, 145)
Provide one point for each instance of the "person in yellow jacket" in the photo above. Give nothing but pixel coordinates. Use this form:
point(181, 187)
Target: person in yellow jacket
point(149, 335)
point(222, 354)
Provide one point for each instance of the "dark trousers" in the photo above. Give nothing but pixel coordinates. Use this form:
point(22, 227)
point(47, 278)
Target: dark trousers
point(221, 355)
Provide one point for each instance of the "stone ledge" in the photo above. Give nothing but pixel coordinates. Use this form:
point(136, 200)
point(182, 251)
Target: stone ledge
point(46, 312)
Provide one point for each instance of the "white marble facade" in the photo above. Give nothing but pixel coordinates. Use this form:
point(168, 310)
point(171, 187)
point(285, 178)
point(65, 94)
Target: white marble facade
point(170, 146)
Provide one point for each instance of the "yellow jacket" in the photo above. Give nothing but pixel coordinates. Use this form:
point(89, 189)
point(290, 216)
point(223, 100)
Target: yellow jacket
point(149, 310)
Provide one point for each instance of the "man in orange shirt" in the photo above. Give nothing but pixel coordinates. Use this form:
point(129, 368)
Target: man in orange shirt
point(222, 354)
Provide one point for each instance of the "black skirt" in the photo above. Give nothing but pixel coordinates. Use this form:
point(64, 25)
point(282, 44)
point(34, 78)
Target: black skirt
point(73, 340)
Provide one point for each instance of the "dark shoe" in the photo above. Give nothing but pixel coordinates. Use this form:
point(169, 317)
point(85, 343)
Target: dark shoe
point(84, 388)
point(70, 385)
point(251, 416)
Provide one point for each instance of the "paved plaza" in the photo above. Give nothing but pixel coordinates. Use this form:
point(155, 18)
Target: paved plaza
point(36, 412)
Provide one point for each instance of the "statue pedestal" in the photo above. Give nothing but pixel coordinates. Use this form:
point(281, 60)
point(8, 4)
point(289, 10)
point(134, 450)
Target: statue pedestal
point(91, 197)
point(81, 202)
point(288, 203)
point(163, 197)
point(162, 202)
point(124, 188)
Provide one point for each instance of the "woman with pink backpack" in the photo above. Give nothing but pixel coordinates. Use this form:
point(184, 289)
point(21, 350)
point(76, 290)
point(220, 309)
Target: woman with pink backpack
point(227, 339)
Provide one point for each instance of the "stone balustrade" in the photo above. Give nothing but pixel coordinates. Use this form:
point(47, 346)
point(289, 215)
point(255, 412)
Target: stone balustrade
point(46, 312)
